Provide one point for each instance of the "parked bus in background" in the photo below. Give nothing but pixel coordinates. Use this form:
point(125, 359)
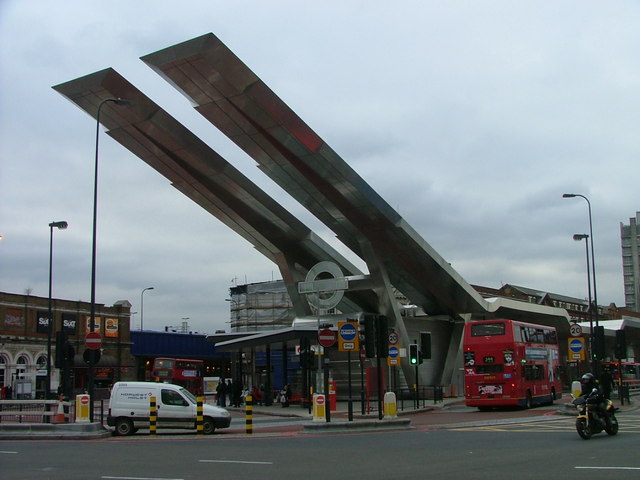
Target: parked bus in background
point(179, 371)
point(630, 370)
point(510, 363)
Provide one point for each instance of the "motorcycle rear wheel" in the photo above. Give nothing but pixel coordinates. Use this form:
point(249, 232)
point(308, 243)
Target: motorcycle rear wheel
point(612, 425)
point(583, 428)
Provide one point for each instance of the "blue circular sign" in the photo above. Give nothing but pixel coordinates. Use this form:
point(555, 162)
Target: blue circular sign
point(348, 332)
point(394, 351)
point(575, 345)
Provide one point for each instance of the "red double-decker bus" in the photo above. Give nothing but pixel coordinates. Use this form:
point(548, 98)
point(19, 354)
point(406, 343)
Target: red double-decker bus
point(510, 363)
point(180, 371)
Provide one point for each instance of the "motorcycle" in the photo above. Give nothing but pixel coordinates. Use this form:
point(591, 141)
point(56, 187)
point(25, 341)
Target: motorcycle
point(592, 419)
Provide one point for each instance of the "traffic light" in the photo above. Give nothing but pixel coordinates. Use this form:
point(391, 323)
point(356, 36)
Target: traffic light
point(425, 346)
point(61, 349)
point(621, 345)
point(598, 342)
point(367, 331)
point(414, 354)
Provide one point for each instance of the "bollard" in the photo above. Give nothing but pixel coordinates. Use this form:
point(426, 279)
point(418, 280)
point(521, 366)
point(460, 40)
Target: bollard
point(390, 405)
point(83, 404)
point(319, 406)
point(576, 388)
point(249, 414)
point(199, 415)
point(153, 416)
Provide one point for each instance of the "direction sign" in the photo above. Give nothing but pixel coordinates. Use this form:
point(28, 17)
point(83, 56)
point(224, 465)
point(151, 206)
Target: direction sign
point(93, 340)
point(576, 348)
point(326, 337)
point(393, 359)
point(348, 336)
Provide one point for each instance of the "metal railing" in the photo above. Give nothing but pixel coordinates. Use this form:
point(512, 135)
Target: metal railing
point(44, 411)
point(411, 399)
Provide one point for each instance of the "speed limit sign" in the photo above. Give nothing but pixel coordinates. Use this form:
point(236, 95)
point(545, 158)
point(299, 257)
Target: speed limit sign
point(575, 330)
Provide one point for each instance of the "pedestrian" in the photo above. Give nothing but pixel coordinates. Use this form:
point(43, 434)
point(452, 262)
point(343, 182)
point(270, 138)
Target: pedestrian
point(256, 394)
point(229, 392)
point(237, 393)
point(221, 391)
point(606, 382)
point(285, 396)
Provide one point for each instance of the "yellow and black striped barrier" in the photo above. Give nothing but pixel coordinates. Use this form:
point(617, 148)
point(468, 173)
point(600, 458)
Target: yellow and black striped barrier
point(153, 416)
point(249, 414)
point(199, 415)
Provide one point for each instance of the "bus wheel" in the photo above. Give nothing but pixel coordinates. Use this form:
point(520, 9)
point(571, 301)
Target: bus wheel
point(527, 401)
point(208, 426)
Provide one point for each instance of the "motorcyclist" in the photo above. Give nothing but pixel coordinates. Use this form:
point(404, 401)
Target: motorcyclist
point(589, 384)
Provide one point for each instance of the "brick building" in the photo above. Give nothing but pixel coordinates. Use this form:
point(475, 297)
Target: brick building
point(24, 344)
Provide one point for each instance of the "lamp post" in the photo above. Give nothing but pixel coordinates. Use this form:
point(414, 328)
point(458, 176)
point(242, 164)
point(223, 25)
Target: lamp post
point(593, 259)
point(596, 359)
point(577, 237)
point(92, 317)
point(142, 306)
point(60, 226)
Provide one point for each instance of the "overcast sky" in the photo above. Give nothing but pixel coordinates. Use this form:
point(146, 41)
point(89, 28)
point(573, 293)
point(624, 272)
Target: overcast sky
point(471, 118)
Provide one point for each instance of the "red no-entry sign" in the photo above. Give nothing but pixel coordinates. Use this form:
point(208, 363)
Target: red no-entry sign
point(327, 337)
point(93, 340)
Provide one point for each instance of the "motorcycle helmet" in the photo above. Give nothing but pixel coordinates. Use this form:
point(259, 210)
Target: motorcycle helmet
point(588, 380)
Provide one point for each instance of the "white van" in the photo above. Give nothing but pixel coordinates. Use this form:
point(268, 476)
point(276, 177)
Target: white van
point(176, 408)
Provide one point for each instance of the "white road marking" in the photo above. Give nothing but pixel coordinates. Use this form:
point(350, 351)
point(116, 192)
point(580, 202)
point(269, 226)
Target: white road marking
point(140, 478)
point(236, 461)
point(608, 468)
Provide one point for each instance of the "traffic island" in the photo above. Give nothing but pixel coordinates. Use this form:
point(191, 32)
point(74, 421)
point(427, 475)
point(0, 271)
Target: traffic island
point(52, 431)
point(357, 426)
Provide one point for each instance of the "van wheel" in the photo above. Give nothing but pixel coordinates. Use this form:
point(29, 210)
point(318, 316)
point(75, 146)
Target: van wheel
point(208, 426)
point(124, 427)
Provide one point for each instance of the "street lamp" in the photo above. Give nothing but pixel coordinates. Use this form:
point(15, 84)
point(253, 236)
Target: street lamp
point(92, 318)
point(593, 259)
point(578, 237)
point(142, 306)
point(60, 226)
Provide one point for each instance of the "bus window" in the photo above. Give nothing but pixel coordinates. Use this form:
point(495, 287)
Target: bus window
point(532, 372)
point(487, 329)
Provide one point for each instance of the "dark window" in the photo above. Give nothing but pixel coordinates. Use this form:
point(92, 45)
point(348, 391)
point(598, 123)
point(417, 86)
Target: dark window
point(169, 397)
point(483, 369)
point(486, 329)
point(533, 372)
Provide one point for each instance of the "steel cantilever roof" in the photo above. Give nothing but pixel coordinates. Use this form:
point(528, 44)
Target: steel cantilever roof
point(204, 176)
point(226, 92)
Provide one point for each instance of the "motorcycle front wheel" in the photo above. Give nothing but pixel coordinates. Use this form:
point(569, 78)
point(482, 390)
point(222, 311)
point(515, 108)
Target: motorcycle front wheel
point(583, 428)
point(612, 425)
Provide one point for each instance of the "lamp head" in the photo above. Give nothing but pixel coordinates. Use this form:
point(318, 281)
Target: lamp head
point(568, 195)
point(59, 225)
point(580, 236)
point(121, 101)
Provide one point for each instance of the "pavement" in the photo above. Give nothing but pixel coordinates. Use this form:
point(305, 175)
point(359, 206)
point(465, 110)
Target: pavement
point(339, 420)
